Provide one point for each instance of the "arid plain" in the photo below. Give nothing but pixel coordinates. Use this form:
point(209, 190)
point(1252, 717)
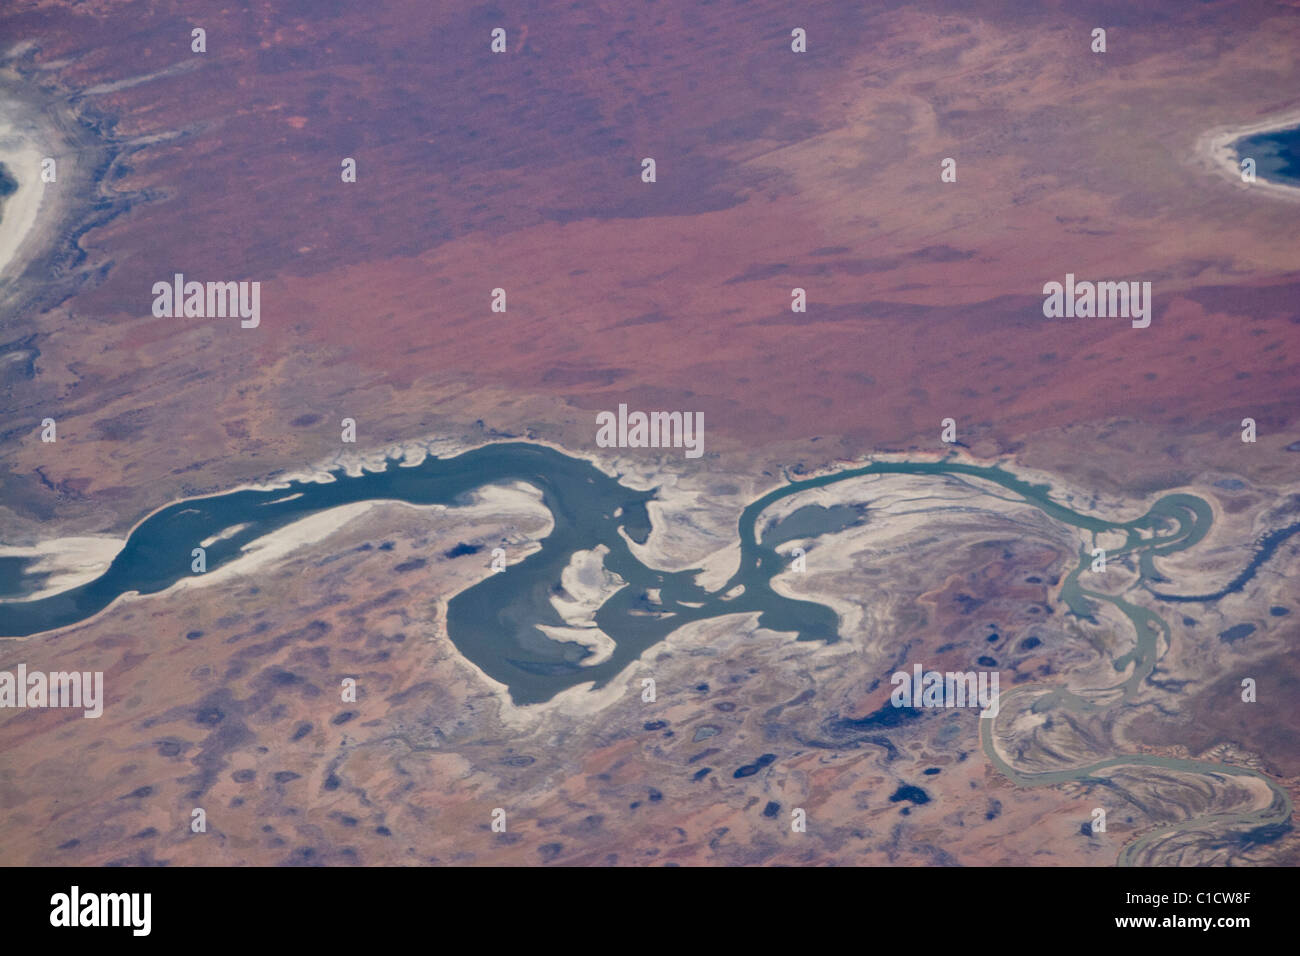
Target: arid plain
point(522, 171)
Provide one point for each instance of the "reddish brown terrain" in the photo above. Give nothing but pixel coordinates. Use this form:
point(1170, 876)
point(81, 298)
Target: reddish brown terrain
point(775, 170)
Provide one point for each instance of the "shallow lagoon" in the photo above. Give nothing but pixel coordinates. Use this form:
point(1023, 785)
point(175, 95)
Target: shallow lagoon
point(1276, 154)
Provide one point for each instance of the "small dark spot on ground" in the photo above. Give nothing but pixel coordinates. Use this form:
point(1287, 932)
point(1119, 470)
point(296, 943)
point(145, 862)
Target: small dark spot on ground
point(752, 768)
point(908, 792)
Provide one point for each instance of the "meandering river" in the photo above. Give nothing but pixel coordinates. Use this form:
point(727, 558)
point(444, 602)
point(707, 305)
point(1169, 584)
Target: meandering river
point(494, 623)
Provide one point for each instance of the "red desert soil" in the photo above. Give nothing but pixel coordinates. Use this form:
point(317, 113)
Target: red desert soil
point(775, 170)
